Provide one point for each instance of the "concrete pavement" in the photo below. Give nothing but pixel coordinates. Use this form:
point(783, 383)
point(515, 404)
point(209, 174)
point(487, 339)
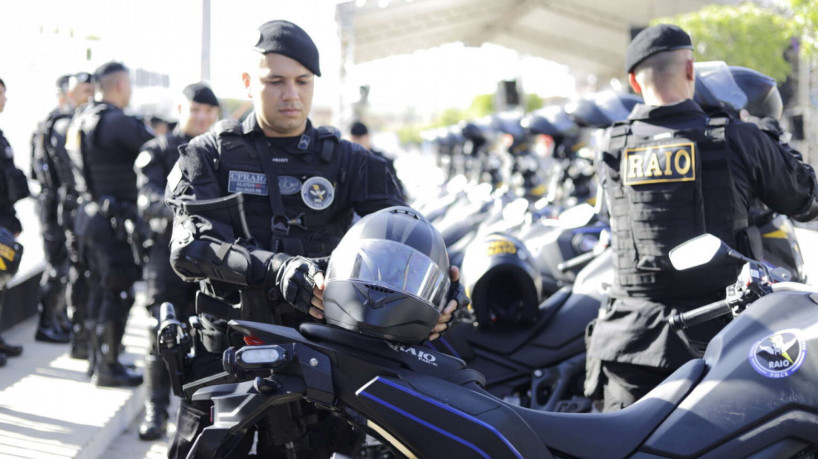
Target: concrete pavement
point(50, 409)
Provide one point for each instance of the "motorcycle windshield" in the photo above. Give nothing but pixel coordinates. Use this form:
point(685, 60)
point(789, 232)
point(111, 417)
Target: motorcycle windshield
point(611, 105)
point(717, 89)
point(390, 265)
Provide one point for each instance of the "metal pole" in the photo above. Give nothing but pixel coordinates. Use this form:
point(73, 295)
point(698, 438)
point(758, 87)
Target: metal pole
point(205, 75)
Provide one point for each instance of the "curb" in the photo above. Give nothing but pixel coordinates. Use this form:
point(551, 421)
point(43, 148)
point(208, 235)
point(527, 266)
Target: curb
point(50, 409)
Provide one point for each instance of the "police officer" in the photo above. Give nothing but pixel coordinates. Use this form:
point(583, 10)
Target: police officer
point(47, 155)
point(102, 144)
point(197, 113)
point(13, 187)
point(77, 290)
point(671, 173)
point(359, 134)
point(300, 185)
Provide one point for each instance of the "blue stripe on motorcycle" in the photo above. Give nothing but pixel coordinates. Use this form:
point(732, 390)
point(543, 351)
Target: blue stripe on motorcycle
point(442, 406)
point(588, 229)
point(426, 424)
point(452, 351)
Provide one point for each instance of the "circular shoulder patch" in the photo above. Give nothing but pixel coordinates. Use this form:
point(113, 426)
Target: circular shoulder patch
point(779, 355)
point(317, 193)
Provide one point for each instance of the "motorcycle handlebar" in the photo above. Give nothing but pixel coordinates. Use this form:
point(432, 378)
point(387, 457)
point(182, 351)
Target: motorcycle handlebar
point(699, 315)
point(577, 261)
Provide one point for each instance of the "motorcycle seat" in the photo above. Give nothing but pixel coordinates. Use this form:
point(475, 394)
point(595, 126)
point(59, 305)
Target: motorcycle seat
point(616, 434)
point(416, 358)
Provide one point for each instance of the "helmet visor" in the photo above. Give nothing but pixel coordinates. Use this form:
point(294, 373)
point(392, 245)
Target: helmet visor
point(392, 265)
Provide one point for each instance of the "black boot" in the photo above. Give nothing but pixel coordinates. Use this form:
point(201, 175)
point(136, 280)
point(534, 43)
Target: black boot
point(49, 330)
point(108, 371)
point(155, 424)
point(80, 344)
point(51, 300)
point(51, 335)
point(157, 399)
point(3, 360)
point(10, 350)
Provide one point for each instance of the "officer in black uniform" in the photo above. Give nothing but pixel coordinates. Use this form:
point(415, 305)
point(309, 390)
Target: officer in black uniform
point(47, 155)
point(103, 143)
point(359, 134)
point(77, 289)
point(671, 173)
point(197, 113)
point(301, 186)
point(13, 187)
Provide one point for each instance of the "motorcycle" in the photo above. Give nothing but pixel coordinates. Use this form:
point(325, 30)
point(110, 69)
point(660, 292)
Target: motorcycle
point(753, 393)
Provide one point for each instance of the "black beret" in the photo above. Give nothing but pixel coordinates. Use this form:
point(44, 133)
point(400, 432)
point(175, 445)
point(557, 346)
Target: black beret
point(201, 94)
point(286, 38)
point(109, 68)
point(62, 83)
point(661, 37)
point(83, 77)
point(358, 129)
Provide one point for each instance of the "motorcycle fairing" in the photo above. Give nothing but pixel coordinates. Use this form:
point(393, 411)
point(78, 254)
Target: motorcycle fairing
point(733, 399)
point(468, 423)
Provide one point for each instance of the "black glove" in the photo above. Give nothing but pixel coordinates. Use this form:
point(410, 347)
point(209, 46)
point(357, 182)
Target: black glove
point(295, 279)
point(458, 294)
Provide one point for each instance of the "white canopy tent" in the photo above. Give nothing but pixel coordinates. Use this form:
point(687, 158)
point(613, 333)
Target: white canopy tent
point(586, 35)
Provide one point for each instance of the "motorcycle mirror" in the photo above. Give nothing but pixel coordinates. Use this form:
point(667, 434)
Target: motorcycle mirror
point(577, 216)
point(514, 212)
point(697, 251)
point(457, 183)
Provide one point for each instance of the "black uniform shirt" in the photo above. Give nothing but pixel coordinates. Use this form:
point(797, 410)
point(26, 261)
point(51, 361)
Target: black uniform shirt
point(152, 167)
point(8, 217)
point(367, 187)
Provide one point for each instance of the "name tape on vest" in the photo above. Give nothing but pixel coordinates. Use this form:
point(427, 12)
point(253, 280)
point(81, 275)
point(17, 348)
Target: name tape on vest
point(247, 183)
point(660, 164)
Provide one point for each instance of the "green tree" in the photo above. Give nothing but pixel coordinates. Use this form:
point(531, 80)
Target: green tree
point(533, 102)
point(746, 35)
point(804, 24)
point(450, 116)
point(481, 106)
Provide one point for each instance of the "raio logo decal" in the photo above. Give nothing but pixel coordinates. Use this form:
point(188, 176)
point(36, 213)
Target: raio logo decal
point(421, 355)
point(779, 355)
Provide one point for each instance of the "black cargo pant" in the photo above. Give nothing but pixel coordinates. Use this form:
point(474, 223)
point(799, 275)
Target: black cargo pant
point(632, 349)
point(163, 285)
point(113, 272)
point(55, 276)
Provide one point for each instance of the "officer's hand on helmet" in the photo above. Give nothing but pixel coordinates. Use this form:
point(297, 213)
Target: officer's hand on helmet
point(301, 283)
point(456, 299)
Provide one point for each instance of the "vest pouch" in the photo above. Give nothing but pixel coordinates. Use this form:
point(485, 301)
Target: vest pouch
point(16, 184)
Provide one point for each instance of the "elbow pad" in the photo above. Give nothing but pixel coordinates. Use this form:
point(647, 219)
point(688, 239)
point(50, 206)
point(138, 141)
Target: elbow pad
point(196, 259)
point(810, 214)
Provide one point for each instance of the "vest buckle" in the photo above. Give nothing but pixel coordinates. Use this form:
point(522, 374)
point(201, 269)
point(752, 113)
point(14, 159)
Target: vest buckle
point(280, 224)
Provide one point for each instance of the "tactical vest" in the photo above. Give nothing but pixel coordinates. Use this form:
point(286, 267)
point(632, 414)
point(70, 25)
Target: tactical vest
point(95, 172)
point(291, 201)
point(44, 148)
point(664, 190)
point(166, 148)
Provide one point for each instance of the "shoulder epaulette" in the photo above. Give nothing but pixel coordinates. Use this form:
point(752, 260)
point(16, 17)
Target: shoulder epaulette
point(330, 137)
point(228, 126)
